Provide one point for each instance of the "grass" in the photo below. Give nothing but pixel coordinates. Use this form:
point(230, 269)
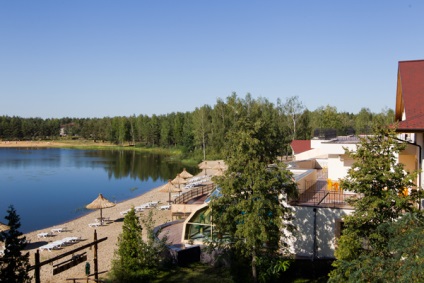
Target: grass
point(195, 273)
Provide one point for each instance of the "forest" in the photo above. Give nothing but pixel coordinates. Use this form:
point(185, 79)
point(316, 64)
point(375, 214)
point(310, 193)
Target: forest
point(200, 132)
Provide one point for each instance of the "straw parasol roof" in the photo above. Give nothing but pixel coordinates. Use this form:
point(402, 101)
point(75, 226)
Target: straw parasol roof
point(220, 172)
point(169, 188)
point(179, 180)
point(204, 165)
point(3, 227)
point(219, 166)
point(185, 174)
point(99, 203)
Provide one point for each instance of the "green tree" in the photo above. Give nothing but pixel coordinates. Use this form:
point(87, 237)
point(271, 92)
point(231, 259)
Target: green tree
point(135, 260)
point(381, 183)
point(293, 109)
point(363, 121)
point(14, 265)
point(201, 125)
point(253, 210)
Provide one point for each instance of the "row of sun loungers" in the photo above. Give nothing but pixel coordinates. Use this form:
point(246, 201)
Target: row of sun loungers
point(196, 181)
point(141, 208)
point(53, 231)
point(59, 243)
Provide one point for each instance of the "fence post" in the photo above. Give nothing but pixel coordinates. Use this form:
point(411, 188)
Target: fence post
point(37, 267)
point(96, 269)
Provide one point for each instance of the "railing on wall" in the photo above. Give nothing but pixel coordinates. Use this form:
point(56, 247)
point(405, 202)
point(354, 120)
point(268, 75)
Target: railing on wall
point(194, 193)
point(319, 193)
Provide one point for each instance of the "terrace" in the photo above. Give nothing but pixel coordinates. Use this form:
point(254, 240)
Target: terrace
point(321, 192)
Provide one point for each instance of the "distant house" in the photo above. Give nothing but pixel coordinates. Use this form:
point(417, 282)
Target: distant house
point(299, 146)
point(327, 154)
point(65, 129)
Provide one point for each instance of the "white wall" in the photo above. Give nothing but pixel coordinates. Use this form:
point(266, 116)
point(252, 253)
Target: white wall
point(338, 165)
point(302, 242)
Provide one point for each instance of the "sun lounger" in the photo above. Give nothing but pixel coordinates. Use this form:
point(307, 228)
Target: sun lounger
point(59, 230)
point(164, 207)
point(139, 209)
point(153, 203)
point(52, 246)
point(44, 235)
point(124, 212)
point(48, 247)
point(103, 220)
point(96, 224)
point(70, 240)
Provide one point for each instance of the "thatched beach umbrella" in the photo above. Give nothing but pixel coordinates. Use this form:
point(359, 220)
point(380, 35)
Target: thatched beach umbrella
point(220, 172)
point(179, 180)
point(185, 174)
point(169, 188)
point(3, 227)
point(99, 203)
point(219, 166)
point(204, 165)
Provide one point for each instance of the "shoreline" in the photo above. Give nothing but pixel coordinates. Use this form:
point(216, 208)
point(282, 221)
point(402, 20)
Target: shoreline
point(79, 227)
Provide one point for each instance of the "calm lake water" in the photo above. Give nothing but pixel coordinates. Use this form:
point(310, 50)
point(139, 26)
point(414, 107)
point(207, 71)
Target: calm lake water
point(51, 186)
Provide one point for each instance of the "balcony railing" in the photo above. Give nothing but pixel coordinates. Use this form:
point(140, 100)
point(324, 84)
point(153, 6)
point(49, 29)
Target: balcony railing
point(194, 193)
point(319, 195)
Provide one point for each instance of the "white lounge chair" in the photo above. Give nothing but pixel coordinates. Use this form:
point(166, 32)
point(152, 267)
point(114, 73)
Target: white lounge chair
point(59, 230)
point(96, 224)
point(70, 240)
point(139, 209)
point(125, 212)
point(52, 246)
point(164, 207)
point(44, 234)
point(103, 220)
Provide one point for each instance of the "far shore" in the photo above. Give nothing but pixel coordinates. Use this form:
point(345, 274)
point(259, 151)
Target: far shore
point(55, 143)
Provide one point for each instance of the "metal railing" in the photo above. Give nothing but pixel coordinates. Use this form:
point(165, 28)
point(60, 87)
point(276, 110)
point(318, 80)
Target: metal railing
point(324, 198)
point(194, 193)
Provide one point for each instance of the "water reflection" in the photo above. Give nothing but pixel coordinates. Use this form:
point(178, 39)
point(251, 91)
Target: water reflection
point(51, 186)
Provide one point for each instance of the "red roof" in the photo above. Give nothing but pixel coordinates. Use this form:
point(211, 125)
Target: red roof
point(299, 146)
point(411, 98)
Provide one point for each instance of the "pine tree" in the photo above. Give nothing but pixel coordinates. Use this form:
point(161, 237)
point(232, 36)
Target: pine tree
point(253, 208)
point(14, 265)
point(381, 183)
point(135, 260)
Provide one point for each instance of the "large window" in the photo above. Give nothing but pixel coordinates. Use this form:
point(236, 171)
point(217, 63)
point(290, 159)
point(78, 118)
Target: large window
point(199, 226)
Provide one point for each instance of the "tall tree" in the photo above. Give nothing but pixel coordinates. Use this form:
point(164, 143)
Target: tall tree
point(133, 261)
point(363, 121)
point(382, 184)
point(293, 109)
point(14, 265)
point(252, 210)
point(201, 125)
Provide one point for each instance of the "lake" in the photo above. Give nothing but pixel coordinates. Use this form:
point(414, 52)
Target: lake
point(50, 186)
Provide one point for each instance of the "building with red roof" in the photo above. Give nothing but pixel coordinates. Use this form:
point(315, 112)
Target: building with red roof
point(409, 111)
point(409, 114)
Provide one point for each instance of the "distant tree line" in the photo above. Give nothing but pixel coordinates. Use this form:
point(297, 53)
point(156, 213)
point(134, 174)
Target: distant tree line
point(200, 132)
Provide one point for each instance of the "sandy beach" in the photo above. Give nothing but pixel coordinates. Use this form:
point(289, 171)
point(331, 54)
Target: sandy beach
point(80, 228)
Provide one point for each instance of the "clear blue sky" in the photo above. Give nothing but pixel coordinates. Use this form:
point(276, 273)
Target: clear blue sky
point(97, 58)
